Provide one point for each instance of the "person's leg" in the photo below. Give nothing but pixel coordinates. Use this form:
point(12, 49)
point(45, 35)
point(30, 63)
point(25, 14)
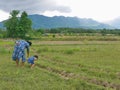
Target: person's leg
point(15, 58)
point(17, 62)
point(22, 63)
point(23, 60)
point(32, 65)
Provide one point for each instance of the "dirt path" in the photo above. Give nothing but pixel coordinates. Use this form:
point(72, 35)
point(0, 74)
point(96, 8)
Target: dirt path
point(68, 75)
point(74, 42)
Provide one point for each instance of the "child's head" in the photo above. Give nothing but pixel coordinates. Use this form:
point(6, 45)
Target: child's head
point(36, 57)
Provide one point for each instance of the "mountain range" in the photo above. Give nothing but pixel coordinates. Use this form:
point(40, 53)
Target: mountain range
point(115, 23)
point(40, 21)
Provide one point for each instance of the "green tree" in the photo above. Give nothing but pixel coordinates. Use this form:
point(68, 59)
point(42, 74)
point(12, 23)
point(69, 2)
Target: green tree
point(12, 24)
point(25, 25)
point(18, 27)
point(42, 31)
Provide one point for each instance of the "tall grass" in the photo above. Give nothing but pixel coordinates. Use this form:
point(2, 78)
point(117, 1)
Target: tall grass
point(84, 66)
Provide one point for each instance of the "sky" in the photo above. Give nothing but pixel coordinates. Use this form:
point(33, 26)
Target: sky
point(99, 10)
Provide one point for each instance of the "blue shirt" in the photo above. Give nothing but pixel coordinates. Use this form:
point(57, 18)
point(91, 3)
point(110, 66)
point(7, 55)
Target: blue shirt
point(31, 60)
point(21, 44)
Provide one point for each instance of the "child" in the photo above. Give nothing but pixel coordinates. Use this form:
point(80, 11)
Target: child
point(31, 60)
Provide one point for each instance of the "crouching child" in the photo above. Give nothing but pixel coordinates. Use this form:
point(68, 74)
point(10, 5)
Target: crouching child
point(31, 60)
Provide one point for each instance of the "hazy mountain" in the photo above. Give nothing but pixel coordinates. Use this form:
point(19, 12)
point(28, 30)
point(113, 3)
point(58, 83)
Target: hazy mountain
point(1, 25)
point(115, 23)
point(40, 21)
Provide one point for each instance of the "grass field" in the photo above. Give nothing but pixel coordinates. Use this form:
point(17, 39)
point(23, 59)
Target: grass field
point(63, 65)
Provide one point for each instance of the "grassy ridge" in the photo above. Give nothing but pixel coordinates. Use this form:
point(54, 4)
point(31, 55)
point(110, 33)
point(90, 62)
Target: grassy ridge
point(81, 66)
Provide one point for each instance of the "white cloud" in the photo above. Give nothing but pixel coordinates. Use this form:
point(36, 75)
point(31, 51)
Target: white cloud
point(3, 15)
point(32, 6)
point(100, 10)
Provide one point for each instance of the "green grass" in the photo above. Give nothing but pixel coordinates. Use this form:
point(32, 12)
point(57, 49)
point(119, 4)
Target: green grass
point(84, 66)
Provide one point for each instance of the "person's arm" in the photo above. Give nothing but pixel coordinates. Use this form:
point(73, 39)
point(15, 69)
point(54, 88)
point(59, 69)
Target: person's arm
point(27, 47)
point(27, 52)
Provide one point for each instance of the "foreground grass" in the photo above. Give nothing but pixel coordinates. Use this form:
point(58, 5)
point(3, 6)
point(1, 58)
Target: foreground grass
point(67, 66)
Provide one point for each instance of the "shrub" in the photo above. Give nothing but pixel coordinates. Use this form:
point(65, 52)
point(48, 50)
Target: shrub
point(69, 52)
point(53, 35)
point(42, 50)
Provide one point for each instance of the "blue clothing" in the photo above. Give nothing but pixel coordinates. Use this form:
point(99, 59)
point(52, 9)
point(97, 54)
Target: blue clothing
point(19, 50)
point(31, 60)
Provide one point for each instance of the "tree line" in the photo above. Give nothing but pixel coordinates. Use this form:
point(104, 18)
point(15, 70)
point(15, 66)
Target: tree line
point(80, 31)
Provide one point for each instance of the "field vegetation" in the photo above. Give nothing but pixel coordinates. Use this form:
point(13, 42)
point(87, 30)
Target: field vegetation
point(64, 65)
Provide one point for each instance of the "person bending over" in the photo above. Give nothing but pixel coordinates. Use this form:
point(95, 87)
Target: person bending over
point(19, 51)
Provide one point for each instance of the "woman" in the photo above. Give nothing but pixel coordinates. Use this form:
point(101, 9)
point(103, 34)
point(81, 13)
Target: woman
point(19, 51)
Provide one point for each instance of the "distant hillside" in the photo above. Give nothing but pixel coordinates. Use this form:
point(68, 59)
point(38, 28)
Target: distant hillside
point(40, 21)
point(115, 23)
point(1, 24)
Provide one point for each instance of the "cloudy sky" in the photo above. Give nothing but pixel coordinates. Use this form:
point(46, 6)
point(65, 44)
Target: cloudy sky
point(100, 10)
